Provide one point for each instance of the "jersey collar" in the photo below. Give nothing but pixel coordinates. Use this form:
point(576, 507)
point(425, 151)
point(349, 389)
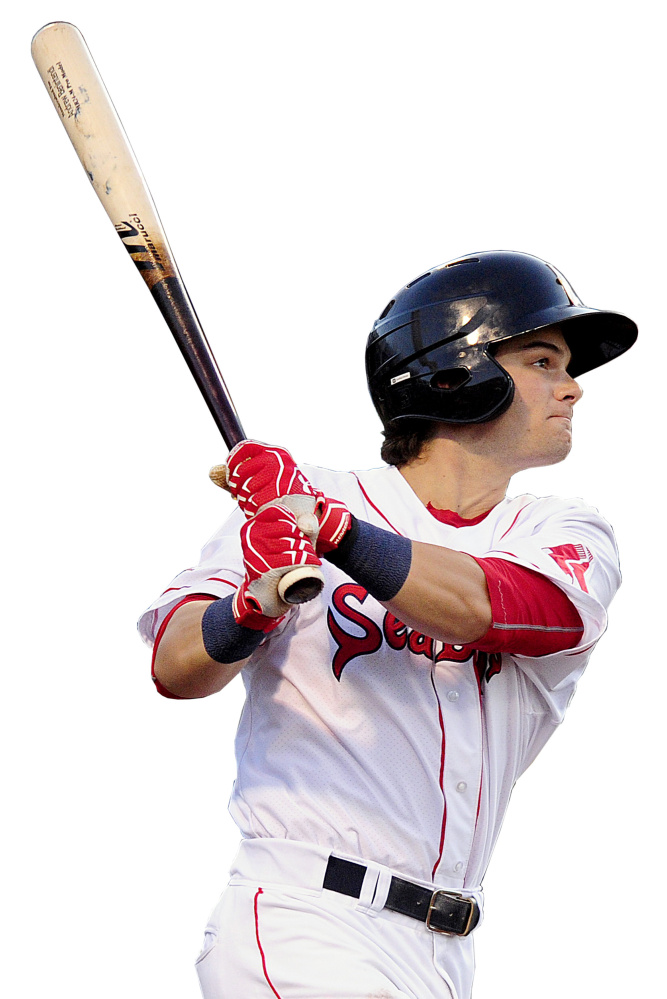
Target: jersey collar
point(454, 519)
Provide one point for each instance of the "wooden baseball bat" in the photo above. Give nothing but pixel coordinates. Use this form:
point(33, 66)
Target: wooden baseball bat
point(95, 130)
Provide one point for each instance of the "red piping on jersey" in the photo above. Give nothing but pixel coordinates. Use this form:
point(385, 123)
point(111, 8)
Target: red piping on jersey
point(481, 768)
point(377, 509)
point(441, 780)
point(186, 600)
point(513, 522)
point(478, 677)
point(580, 652)
point(209, 579)
point(260, 891)
point(479, 797)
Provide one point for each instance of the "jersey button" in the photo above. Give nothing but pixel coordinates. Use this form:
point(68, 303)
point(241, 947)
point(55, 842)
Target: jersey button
point(461, 786)
point(453, 695)
point(458, 867)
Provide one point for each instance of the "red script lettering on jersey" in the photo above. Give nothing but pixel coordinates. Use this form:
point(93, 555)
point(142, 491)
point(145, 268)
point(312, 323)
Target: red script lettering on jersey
point(351, 646)
point(396, 634)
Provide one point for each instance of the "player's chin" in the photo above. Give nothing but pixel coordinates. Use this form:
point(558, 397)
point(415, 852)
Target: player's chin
point(554, 449)
point(558, 451)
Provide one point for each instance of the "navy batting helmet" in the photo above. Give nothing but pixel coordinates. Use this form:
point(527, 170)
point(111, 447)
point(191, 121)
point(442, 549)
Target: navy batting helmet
point(430, 354)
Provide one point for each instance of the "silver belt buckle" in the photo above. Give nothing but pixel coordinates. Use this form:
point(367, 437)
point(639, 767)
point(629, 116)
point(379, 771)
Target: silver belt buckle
point(462, 898)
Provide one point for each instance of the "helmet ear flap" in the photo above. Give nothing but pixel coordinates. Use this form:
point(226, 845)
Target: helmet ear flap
point(475, 393)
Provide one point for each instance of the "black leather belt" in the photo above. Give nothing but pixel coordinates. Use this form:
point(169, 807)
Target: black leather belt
point(442, 911)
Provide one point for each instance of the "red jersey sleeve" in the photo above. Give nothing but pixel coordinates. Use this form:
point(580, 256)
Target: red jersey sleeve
point(531, 615)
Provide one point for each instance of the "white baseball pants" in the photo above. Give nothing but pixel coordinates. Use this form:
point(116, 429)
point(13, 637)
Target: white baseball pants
point(277, 934)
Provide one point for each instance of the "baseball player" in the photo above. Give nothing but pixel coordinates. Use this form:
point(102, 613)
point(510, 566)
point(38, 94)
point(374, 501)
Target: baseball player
point(387, 720)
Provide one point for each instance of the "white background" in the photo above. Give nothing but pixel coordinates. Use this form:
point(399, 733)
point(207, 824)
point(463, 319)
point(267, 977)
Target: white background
point(307, 160)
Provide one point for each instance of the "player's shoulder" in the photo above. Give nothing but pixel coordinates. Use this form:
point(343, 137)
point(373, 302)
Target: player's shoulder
point(533, 513)
point(554, 506)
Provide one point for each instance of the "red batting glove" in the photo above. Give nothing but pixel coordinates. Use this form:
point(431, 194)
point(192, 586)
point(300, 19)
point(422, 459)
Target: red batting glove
point(273, 546)
point(258, 474)
point(334, 520)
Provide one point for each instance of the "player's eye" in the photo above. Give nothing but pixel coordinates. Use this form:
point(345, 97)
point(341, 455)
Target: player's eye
point(543, 362)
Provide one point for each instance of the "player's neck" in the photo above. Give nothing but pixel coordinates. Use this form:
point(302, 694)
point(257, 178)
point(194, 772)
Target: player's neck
point(450, 476)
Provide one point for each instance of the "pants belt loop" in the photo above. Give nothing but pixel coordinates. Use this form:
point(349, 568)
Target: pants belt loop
point(381, 890)
point(368, 888)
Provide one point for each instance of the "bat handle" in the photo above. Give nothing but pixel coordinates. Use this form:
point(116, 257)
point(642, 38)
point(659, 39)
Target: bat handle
point(301, 585)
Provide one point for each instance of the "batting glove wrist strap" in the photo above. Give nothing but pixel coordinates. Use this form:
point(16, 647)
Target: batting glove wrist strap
point(334, 521)
point(249, 611)
point(378, 560)
point(225, 640)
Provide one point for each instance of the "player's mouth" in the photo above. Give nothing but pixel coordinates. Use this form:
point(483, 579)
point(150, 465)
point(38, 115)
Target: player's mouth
point(561, 416)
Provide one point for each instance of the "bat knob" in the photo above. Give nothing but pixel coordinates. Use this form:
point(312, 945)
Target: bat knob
point(218, 475)
point(301, 585)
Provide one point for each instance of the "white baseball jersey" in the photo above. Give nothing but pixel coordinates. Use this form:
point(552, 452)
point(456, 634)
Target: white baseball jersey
point(364, 738)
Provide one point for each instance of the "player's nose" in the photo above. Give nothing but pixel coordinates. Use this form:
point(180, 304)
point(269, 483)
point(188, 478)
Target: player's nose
point(568, 390)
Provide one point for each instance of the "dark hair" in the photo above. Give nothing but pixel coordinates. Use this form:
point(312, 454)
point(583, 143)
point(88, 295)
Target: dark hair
point(404, 440)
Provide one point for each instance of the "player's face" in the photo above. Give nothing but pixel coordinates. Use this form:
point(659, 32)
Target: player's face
point(537, 428)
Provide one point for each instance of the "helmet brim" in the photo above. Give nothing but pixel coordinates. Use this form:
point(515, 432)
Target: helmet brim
point(593, 336)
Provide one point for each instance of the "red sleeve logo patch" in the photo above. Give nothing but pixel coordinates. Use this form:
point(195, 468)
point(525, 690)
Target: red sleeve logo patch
point(574, 560)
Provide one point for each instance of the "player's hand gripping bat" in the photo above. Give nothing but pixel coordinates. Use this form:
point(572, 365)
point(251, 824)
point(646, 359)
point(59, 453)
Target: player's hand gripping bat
point(81, 99)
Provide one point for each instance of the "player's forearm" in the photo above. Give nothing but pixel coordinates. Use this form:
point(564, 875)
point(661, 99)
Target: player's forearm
point(437, 591)
point(444, 596)
point(182, 664)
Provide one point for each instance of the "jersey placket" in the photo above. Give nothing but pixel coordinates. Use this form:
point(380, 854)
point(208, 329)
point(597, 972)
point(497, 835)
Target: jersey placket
point(457, 691)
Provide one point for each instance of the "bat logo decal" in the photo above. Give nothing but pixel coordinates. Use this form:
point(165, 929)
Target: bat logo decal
point(128, 231)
